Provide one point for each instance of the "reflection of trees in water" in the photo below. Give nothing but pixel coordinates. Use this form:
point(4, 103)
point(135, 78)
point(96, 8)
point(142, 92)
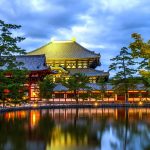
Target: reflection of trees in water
point(80, 129)
point(102, 128)
point(123, 131)
point(17, 134)
point(43, 130)
point(13, 134)
point(129, 135)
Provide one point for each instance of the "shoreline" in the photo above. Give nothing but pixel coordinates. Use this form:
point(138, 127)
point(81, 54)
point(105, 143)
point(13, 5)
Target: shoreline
point(70, 106)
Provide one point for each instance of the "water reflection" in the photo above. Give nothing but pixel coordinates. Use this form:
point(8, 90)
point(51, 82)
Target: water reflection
point(72, 129)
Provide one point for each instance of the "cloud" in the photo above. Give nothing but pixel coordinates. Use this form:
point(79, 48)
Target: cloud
point(101, 25)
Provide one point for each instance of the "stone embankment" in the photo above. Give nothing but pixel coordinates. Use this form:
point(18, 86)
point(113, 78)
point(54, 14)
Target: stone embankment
point(63, 106)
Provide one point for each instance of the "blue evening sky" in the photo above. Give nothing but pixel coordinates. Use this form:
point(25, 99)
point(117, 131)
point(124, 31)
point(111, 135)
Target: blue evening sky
point(100, 25)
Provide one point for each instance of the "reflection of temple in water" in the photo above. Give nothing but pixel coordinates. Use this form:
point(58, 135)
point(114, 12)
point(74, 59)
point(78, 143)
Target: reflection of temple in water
point(74, 128)
point(68, 115)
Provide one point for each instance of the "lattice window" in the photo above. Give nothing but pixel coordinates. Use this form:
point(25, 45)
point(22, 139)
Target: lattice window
point(92, 79)
point(82, 64)
point(71, 64)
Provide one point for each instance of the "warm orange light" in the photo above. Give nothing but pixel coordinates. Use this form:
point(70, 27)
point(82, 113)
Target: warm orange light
point(35, 117)
point(34, 94)
point(25, 97)
point(95, 104)
point(35, 105)
point(140, 103)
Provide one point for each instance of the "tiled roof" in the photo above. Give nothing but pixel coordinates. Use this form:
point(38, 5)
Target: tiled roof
point(95, 86)
point(88, 72)
point(137, 87)
point(64, 49)
point(33, 62)
point(59, 87)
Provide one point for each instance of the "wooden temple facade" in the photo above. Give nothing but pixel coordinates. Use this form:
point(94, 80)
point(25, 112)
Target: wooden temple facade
point(67, 58)
point(36, 70)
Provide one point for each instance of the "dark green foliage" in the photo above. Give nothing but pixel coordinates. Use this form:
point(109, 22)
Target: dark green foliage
point(123, 64)
point(141, 49)
point(11, 78)
point(12, 87)
point(76, 82)
point(84, 96)
point(3, 85)
point(8, 45)
point(103, 87)
point(46, 87)
point(16, 85)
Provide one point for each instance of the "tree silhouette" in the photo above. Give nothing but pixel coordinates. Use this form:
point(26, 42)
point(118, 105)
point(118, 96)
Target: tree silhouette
point(123, 65)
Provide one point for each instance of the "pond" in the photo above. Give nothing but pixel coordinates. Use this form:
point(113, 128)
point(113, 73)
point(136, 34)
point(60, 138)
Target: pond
point(76, 129)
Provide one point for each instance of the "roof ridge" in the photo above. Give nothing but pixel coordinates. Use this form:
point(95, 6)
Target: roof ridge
point(62, 41)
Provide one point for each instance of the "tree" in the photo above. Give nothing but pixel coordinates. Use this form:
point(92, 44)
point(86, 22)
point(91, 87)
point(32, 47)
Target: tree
point(84, 96)
point(141, 49)
point(16, 86)
point(76, 82)
point(8, 51)
point(8, 45)
point(103, 87)
point(12, 87)
point(3, 86)
point(123, 65)
point(46, 87)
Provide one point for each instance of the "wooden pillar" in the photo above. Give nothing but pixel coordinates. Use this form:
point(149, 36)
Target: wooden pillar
point(107, 96)
point(65, 96)
point(65, 64)
point(88, 63)
point(76, 63)
point(30, 90)
point(53, 97)
point(115, 97)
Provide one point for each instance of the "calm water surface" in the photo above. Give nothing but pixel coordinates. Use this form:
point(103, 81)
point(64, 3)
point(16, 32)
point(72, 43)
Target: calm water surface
point(76, 129)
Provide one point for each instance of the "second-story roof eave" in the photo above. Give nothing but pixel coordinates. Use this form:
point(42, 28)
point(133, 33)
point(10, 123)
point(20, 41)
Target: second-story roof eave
point(88, 72)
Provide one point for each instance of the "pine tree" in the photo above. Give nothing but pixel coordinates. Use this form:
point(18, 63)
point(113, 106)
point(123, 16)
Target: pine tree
point(76, 82)
point(103, 86)
point(123, 65)
point(11, 78)
point(46, 87)
point(16, 86)
point(8, 45)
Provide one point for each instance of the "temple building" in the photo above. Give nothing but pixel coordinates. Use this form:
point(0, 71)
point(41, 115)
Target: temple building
point(36, 65)
point(68, 58)
point(62, 59)
point(37, 70)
